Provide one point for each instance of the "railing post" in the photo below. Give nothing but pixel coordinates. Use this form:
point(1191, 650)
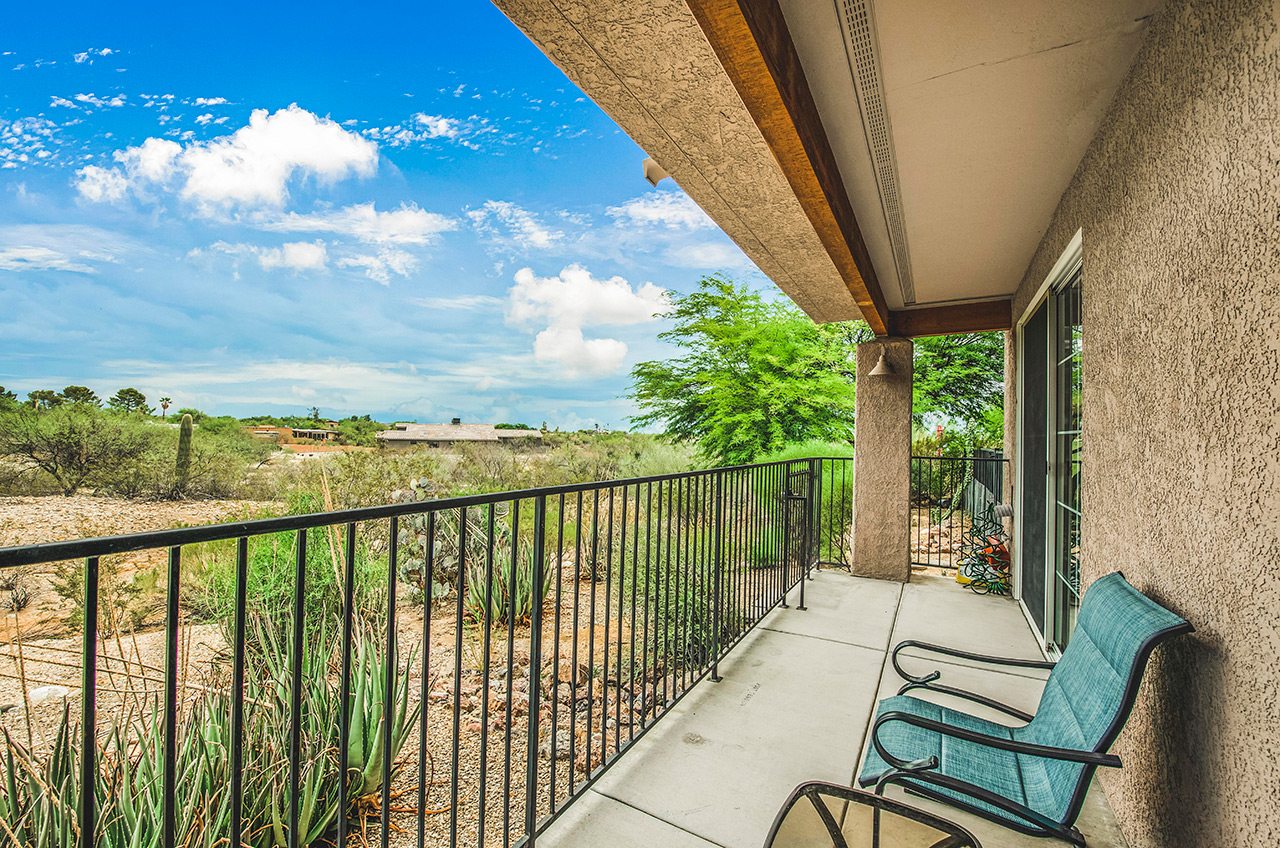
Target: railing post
point(89, 699)
point(535, 667)
point(718, 564)
point(807, 546)
point(786, 531)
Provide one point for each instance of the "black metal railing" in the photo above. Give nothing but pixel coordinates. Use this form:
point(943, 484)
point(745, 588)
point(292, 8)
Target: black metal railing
point(946, 494)
point(546, 630)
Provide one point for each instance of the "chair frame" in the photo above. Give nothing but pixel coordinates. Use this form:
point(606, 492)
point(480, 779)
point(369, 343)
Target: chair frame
point(958, 836)
point(914, 776)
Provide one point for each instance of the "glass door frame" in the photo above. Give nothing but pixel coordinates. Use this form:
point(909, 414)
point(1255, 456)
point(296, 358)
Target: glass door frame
point(1061, 584)
point(1069, 265)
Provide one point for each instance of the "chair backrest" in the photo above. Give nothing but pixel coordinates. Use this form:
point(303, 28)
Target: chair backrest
point(1091, 690)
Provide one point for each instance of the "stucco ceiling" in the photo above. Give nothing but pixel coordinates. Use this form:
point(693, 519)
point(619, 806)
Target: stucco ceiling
point(989, 104)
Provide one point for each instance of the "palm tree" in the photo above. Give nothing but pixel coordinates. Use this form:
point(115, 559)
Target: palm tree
point(164, 406)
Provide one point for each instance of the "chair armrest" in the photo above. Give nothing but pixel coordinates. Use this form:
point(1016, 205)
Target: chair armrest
point(926, 681)
point(967, 695)
point(1091, 758)
point(955, 652)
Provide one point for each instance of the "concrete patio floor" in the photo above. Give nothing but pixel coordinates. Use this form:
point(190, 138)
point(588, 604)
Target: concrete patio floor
point(794, 704)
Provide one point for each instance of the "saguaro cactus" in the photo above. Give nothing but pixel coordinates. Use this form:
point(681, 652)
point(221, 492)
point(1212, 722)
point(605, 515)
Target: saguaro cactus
point(183, 467)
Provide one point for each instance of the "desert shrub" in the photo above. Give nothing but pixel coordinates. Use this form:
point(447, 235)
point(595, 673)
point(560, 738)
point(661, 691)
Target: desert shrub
point(219, 465)
point(362, 478)
point(209, 574)
point(129, 455)
point(651, 456)
point(75, 444)
point(836, 487)
point(18, 588)
point(124, 602)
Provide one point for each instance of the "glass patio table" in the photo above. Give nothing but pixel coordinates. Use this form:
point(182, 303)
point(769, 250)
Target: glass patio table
point(824, 815)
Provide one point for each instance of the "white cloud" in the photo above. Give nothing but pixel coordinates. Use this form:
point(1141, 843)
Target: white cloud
point(436, 126)
point(297, 256)
point(31, 258)
point(465, 302)
point(210, 101)
point(706, 255)
point(154, 160)
point(379, 268)
point(254, 165)
point(406, 225)
point(205, 118)
point(93, 100)
point(580, 356)
point(673, 210)
point(578, 299)
point(522, 227)
point(101, 184)
point(92, 53)
point(575, 299)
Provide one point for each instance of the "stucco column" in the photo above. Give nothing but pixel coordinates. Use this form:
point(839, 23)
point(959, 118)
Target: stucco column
point(882, 462)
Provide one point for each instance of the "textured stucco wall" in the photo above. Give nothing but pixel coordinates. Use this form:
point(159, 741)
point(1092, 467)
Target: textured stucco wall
point(1178, 198)
point(882, 463)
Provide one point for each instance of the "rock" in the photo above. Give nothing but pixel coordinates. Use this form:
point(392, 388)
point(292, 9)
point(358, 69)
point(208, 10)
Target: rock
point(564, 746)
point(45, 693)
point(474, 727)
point(4, 708)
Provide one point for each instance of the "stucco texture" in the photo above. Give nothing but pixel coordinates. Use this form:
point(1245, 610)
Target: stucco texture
point(882, 462)
point(1178, 198)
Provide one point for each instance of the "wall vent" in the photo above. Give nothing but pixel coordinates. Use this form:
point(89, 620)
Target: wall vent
point(864, 63)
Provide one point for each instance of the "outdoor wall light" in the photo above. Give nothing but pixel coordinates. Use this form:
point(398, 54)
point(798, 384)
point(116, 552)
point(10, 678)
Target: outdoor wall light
point(653, 172)
point(883, 368)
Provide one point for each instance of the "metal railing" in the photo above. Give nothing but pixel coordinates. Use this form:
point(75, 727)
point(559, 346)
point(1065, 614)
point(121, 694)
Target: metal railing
point(565, 622)
point(946, 493)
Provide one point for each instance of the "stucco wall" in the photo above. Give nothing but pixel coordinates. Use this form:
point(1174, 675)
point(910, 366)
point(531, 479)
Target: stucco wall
point(1178, 198)
point(882, 462)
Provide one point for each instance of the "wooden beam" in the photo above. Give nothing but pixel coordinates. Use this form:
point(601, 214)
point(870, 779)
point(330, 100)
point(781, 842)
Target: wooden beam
point(752, 41)
point(948, 320)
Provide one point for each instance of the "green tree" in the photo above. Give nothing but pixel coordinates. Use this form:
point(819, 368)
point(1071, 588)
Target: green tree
point(165, 403)
point(44, 399)
point(961, 377)
point(73, 443)
point(81, 394)
point(8, 399)
point(129, 400)
point(756, 376)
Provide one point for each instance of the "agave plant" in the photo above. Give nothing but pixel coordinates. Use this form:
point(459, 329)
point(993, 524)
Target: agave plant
point(40, 796)
point(501, 598)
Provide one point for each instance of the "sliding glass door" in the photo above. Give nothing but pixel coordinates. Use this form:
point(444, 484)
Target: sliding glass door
point(1050, 464)
point(1065, 464)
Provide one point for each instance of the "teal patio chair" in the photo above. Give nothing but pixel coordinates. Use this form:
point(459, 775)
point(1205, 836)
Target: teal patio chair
point(1032, 777)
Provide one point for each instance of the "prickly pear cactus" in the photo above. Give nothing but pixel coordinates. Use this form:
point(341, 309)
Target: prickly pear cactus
point(414, 538)
point(182, 468)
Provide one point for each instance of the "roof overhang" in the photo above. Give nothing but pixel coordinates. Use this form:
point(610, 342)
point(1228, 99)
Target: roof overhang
point(895, 160)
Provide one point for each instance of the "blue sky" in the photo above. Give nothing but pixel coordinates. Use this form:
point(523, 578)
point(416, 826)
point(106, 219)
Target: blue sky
point(403, 210)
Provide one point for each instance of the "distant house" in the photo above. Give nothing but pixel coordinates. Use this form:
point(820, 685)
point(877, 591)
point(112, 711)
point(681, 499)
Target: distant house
point(404, 435)
point(285, 435)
